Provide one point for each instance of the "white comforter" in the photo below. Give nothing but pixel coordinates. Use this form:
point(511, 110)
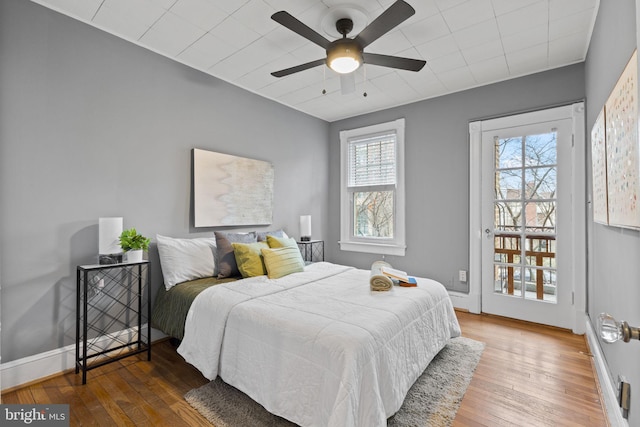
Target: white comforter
point(319, 347)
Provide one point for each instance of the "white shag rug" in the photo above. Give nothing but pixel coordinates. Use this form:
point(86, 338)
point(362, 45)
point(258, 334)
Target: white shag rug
point(432, 401)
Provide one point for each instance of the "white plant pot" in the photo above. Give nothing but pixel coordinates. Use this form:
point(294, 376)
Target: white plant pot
point(134, 255)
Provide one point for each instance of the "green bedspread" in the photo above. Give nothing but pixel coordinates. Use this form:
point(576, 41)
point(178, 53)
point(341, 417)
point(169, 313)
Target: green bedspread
point(171, 307)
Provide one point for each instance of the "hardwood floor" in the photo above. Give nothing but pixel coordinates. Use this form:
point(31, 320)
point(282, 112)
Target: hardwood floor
point(529, 375)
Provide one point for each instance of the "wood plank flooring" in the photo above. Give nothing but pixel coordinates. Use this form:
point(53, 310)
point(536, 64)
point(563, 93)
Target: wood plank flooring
point(529, 375)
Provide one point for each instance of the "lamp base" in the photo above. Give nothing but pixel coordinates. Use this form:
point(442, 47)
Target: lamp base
point(305, 238)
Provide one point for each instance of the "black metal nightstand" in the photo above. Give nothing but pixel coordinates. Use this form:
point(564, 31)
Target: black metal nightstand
point(113, 312)
point(312, 250)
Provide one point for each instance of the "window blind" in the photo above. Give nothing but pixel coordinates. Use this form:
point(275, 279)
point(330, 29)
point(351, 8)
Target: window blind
point(372, 161)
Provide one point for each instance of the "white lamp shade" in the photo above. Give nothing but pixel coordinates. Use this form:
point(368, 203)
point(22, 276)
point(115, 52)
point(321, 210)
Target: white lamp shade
point(305, 226)
point(109, 231)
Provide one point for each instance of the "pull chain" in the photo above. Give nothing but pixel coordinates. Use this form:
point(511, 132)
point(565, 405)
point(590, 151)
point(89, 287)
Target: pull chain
point(324, 77)
point(364, 83)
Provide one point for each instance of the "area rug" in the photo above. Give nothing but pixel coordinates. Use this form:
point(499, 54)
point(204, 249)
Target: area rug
point(431, 402)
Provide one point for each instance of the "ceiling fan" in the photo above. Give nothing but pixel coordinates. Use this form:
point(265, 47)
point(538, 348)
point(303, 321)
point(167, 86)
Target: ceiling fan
point(346, 55)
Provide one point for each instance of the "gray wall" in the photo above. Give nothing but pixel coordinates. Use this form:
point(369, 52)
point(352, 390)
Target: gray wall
point(91, 126)
point(437, 168)
point(614, 253)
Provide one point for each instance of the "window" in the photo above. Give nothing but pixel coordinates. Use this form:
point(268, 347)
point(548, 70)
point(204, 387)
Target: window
point(372, 189)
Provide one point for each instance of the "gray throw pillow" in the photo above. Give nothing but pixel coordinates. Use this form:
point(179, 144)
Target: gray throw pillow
point(227, 266)
point(262, 235)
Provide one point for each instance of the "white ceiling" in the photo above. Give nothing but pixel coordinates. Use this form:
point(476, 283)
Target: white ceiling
point(466, 43)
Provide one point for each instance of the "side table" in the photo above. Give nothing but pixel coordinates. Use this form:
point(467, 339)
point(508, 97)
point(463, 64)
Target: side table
point(312, 250)
point(113, 312)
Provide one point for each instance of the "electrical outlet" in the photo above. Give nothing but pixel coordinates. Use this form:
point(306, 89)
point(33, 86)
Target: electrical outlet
point(462, 275)
point(624, 395)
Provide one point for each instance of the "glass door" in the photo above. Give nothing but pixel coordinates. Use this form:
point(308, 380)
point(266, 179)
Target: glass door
point(526, 200)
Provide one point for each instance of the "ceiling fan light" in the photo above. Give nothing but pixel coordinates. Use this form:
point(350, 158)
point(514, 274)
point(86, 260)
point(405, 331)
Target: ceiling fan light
point(344, 56)
point(344, 64)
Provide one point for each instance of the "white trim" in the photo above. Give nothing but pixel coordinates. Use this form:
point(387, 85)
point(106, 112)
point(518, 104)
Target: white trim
point(579, 218)
point(575, 112)
point(42, 365)
point(475, 221)
point(398, 245)
point(609, 392)
point(469, 302)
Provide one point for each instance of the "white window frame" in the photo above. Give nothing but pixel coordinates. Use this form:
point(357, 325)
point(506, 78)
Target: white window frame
point(348, 242)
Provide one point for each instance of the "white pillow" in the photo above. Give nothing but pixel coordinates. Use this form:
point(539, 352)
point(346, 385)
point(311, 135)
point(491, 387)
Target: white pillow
point(186, 259)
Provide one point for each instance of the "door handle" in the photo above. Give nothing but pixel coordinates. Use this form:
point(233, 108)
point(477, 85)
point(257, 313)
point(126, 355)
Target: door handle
point(612, 330)
point(488, 232)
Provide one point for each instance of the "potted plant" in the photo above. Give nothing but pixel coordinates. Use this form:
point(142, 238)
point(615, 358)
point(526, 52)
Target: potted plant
point(133, 244)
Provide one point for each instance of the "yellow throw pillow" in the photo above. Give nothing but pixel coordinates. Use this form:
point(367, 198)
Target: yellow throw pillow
point(249, 258)
point(282, 261)
point(281, 242)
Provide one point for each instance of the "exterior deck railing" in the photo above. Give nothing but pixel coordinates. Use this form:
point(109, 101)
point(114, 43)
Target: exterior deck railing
point(538, 255)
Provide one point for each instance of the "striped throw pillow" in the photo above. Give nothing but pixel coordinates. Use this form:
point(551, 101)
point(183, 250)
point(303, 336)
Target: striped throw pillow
point(282, 261)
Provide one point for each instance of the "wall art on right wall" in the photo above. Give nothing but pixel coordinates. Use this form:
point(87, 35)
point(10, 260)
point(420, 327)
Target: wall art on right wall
point(623, 149)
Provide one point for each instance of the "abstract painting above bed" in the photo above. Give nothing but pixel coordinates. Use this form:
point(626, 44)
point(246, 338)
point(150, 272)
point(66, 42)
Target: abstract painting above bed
point(318, 347)
point(231, 190)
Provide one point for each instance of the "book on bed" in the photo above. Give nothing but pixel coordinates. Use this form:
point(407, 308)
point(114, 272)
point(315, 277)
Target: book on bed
point(399, 275)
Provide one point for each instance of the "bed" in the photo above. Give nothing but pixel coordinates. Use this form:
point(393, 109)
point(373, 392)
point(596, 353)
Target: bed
point(316, 347)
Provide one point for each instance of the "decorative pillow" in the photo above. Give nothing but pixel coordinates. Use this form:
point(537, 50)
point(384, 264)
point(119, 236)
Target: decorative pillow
point(249, 258)
point(281, 242)
point(262, 235)
point(185, 259)
point(280, 262)
point(227, 266)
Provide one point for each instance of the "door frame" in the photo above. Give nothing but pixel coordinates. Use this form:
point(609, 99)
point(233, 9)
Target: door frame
point(578, 279)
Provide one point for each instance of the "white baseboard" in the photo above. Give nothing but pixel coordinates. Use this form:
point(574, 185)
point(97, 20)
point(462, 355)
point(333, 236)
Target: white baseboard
point(464, 301)
point(607, 386)
point(39, 366)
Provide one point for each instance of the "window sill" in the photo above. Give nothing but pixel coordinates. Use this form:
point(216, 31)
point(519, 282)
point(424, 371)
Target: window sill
point(373, 248)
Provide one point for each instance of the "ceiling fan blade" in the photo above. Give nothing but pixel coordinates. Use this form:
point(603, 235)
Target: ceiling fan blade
point(347, 83)
point(287, 20)
point(297, 68)
point(393, 61)
point(397, 13)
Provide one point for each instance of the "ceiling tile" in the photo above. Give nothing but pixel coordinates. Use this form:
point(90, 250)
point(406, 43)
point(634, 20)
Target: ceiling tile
point(428, 29)
point(201, 13)
point(234, 33)
point(294, 7)
point(561, 8)
point(483, 52)
point(524, 61)
point(123, 25)
point(458, 79)
point(570, 24)
point(438, 48)
point(290, 41)
point(468, 14)
point(490, 70)
point(568, 49)
point(390, 44)
point(256, 14)
point(477, 34)
point(448, 4)
point(446, 63)
point(525, 39)
point(171, 35)
point(206, 52)
point(145, 12)
point(528, 17)
point(500, 7)
point(228, 6)
point(80, 9)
